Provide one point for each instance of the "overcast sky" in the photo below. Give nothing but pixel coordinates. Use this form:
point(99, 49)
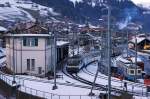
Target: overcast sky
point(141, 1)
point(145, 3)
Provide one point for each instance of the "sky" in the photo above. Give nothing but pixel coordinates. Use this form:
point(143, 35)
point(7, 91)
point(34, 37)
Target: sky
point(145, 3)
point(141, 1)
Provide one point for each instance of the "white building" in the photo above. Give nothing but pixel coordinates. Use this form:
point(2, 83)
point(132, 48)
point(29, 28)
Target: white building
point(30, 53)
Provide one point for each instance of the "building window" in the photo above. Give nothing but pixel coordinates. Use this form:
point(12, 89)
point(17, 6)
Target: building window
point(40, 70)
point(32, 41)
point(139, 71)
point(33, 64)
point(131, 72)
point(28, 64)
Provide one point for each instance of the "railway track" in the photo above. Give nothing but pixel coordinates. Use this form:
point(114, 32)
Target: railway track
point(103, 87)
point(85, 70)
point(113, 89)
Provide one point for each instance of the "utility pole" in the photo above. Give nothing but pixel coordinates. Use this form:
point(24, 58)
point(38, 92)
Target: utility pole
point(109, 54)
point(136, 57)
point(109, 49)
point(55, 58)
point(127, 44)
point(14, 81)
point(73, 40)
point(78, 41)
point(93, 85)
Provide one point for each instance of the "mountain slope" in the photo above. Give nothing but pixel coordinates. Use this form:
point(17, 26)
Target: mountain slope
point(18, 10)
point(80, 11)
point(123, 11)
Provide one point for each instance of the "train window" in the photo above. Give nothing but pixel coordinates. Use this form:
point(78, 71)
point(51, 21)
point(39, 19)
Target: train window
point(131, 72)
point(139, 71)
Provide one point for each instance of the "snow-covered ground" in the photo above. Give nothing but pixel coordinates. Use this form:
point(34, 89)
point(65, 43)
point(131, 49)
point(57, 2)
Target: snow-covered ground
point(12, 10)
point(2, 28)
point(69, 88)
point(43, 87)
point(116, 83)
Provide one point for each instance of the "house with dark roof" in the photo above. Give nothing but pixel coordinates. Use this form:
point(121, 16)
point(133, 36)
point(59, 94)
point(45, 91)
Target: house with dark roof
point(142, 43)
point(31, 50)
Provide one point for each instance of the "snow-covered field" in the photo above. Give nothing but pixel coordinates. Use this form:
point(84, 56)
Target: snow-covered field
point(12, 10)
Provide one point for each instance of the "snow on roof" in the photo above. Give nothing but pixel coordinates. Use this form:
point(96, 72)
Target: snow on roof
point(2, 28)
point(61, 43)
point(124, 60)
point(74, 1)
point(138, 59)
point(92, 26)
point(21, 35)
point(139, 39)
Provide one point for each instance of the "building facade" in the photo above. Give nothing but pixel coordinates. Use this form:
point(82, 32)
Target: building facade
point(29, 53)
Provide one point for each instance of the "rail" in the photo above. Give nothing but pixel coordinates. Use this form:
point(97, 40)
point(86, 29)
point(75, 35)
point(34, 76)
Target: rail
point(6, 79)
point(48, 95)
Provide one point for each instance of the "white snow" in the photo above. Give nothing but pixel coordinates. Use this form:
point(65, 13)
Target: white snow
point(2, 28)
point(34, 35)
point(138, 59)
point(74, 1)
point(120, 58)
point(42, 9)
point(13, 12)
point(61, 43)
point(16, 12)
point(66, 89)
point(139, 39)
point(143, 3)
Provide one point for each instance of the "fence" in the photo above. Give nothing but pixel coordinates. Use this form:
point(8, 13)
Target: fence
point(48, 95)
point(38, 93)
point(6, 79)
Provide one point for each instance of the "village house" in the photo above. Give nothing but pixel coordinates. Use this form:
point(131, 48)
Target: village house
point(142, 41)
point(32, 50)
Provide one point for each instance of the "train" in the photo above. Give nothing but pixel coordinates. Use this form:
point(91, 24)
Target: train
point(128, 70)
point(74, 64)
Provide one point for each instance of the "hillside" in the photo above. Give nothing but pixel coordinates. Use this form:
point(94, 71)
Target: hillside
point(12, 11)
point(124, 11)
point(80, 11)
